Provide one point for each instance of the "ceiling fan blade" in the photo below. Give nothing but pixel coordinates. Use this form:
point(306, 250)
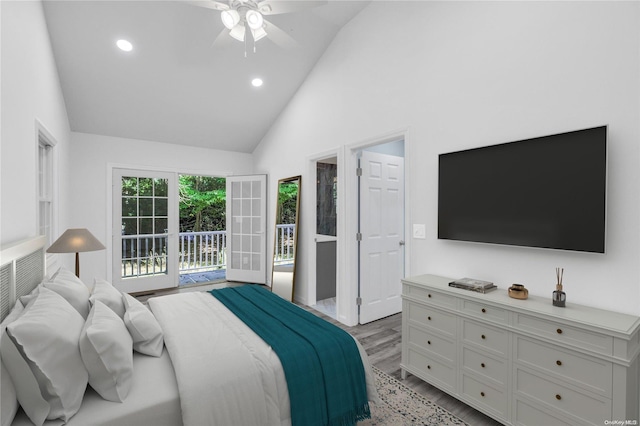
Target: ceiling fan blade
point(209, 4)
point(276, 7)
point(279, 36)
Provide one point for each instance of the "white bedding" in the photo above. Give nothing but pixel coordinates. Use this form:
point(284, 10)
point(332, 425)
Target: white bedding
point(153, 399)
point(226, 374)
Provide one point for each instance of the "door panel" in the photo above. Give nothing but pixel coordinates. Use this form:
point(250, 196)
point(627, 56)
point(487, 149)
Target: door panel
point(246, 224)
point(382, 229)
point(144, 230)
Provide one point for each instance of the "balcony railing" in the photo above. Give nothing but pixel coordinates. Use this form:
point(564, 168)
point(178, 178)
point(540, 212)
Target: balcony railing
point(284, 250)
point(197, 252)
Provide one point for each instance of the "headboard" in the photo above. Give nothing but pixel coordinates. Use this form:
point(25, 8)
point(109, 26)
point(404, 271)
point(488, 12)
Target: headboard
point(22, 268)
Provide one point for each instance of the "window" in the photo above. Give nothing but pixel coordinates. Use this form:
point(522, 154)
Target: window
point(45, 187)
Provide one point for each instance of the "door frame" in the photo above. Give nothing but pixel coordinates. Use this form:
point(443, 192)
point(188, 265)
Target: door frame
point(349, 275)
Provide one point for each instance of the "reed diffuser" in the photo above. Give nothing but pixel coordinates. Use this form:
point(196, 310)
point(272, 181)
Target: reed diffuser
point(559, 296)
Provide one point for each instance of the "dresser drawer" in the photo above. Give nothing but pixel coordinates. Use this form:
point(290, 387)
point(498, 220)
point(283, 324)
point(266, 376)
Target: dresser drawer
point(566, 334)
point(579, 369)
point(591, 409)
point(484, 311)
point(493, 399)
point(432, 343)
point(430, 296)
point(432, 318)
point(525, 414)
point(439, 373)
point(490, 338)
point(487, 366)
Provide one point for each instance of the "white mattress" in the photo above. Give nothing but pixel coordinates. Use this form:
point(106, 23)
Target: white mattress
point(153, 399)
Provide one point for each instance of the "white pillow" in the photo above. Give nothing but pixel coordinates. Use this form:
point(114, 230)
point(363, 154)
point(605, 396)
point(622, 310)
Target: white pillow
point(107, 294)
point(40, 350)
point(67, 285)
point(107, 352)
point(144, 328)
point(8, 398)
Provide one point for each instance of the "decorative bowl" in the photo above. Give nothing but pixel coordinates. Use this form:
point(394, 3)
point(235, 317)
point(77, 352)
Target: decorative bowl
point(518, 291)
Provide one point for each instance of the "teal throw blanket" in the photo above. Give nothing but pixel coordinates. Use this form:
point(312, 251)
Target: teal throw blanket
point(321, 362)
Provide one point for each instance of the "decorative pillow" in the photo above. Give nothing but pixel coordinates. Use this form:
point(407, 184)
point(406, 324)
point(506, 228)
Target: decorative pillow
point(67, 285)
point(8, 398)
point(40, 350)
point(107, 352)
point(107, 294)
point(144, 328)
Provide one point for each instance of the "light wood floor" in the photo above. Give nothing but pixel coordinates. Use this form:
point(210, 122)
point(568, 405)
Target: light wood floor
point(382, 341)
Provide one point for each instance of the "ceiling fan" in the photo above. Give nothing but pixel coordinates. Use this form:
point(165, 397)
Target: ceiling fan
point(238, 15)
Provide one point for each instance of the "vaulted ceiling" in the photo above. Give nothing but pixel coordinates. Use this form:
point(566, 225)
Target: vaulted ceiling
point(186, 81)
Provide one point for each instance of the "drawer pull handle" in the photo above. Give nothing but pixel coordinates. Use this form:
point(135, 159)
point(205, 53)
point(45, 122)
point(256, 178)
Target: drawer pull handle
point(559, 331)
point(558, 362)
point(482, 365)
point(429, 295)
point(558, 397)
point(428, 367)
point(484, 310)
point(429, 318)
point(482, 394)
point(483, 337)
point(428, 342)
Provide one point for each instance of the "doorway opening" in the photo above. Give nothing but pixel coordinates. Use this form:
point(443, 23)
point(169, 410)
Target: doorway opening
point(326, 235)
point(202, 237)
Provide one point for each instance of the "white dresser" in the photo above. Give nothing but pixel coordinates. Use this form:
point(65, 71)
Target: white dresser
point(522, 362)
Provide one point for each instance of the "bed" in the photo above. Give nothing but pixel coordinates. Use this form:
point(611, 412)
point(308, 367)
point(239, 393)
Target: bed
point(210, 368)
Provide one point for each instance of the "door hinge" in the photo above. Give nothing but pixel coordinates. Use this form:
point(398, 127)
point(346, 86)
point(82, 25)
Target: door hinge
point(359, 171)
point(359, 236)
point(358, 301)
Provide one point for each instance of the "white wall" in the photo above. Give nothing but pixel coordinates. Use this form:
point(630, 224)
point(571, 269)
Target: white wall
point(92, 157)
point(30, 93)
point(468, 74)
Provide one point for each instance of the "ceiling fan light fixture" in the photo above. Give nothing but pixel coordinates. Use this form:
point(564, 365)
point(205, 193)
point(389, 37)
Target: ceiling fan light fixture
point(254, 19)
point(237, 32)
point(230, 18)
point(258, 33)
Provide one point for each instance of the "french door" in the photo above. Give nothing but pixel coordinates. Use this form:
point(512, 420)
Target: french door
point(246, 225)
point(145, 226)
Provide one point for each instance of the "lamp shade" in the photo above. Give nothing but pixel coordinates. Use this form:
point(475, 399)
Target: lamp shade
point(230, 18)
point(75, 240)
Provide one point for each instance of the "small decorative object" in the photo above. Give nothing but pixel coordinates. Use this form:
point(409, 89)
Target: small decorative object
point(559, 296)
point(518, 291)
point(473, 284)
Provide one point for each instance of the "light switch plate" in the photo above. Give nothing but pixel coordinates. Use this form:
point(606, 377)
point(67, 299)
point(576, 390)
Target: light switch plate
point(419, 230)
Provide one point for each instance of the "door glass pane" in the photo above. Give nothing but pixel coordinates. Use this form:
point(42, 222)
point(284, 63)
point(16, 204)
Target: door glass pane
point(144, 226)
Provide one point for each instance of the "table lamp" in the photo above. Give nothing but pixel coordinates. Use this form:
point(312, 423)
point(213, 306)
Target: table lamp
point(76, 240)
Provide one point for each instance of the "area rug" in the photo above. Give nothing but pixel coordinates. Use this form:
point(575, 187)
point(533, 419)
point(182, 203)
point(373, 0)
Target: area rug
point(402, 406)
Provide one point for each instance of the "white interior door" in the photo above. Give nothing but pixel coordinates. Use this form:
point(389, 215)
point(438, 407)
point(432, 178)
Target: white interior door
point(382, 230)
point(144, 230)
point(246, 225)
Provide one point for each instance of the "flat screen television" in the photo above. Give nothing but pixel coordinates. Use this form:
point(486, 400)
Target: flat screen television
point(547, 192)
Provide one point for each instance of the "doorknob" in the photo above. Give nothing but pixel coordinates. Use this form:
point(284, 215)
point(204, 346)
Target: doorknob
point(401, 242)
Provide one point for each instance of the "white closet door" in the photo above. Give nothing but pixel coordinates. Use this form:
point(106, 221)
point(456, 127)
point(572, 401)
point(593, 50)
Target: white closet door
point(382, 228)
point(246, 225)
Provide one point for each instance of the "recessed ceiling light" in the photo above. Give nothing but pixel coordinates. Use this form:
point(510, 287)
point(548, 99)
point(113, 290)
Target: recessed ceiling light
point(124, 45)
point(256, 82)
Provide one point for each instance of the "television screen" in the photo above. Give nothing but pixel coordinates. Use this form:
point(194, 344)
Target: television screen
point(545, 192)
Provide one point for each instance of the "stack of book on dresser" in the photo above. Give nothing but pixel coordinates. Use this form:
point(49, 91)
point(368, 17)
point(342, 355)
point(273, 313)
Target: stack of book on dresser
point(473, 285)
